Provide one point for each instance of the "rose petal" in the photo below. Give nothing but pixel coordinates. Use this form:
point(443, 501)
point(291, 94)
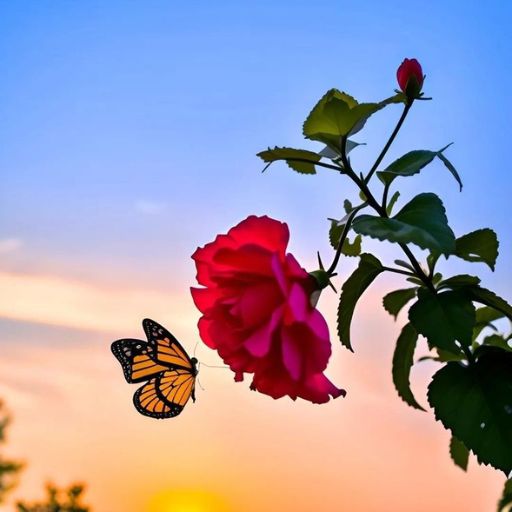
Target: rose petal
point(263, 231)
point(317, 388)
point(298, 305)
point(260, 341)
point(292, 357)
point(256, 304)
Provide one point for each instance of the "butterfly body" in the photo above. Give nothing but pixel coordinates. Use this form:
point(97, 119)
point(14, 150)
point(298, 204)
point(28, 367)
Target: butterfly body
point(162, 363)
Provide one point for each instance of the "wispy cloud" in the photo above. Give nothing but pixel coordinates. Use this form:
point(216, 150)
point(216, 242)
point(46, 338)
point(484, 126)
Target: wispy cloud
point(149, 207)
point(59, 301)
point(8, 245)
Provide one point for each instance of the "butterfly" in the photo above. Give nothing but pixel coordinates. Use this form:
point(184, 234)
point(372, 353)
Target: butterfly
point(169, 372)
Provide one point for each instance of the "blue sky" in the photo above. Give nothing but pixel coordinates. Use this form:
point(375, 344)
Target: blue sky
point(129, 129)
point(128, 137)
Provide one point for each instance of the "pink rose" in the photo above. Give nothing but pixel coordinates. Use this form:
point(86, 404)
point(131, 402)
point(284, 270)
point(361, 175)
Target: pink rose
point(257, 312)
point(410, 77)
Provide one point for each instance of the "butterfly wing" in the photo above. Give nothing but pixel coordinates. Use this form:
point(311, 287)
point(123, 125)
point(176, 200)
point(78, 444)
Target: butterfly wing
point(164, 364)
point(165, 396)
point(137, 360)
point(167, 349)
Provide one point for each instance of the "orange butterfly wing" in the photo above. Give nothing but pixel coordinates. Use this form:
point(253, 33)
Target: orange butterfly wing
point(164, 364)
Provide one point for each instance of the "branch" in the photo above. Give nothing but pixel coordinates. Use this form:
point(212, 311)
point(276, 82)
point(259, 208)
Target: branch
point(389, 142)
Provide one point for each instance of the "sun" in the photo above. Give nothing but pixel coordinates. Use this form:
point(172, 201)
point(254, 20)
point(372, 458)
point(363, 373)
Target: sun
point(188, 500)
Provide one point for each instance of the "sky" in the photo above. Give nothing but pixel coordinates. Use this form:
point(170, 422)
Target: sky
point(128, 138)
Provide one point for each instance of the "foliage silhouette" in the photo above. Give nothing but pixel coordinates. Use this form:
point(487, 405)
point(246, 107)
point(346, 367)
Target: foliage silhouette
point(8, 469)
point(68, 500)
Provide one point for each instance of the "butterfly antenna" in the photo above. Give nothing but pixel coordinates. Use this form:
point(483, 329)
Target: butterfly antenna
point(199, 383)
point(195, 348)
point(215, 366)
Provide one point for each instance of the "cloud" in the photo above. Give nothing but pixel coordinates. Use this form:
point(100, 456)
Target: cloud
point(83, 305)
point(149, 207)
point(8, 245)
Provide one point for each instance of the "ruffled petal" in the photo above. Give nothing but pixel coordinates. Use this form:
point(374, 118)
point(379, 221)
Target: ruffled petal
point(268, 233)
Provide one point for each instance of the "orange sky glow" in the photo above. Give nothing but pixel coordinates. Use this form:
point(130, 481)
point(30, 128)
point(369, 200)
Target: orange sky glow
point(233, 449)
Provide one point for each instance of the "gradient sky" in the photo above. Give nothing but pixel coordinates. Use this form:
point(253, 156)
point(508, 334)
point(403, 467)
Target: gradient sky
point(128, 138)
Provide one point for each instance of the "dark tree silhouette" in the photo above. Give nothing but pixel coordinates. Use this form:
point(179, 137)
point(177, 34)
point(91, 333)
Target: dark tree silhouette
point(68, 500)
point(8, 469)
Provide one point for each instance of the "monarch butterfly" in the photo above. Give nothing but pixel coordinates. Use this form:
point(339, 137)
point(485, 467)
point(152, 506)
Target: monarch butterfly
point(162, 362)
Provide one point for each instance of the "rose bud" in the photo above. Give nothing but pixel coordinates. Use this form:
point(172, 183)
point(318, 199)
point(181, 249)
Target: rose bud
point(410, 78)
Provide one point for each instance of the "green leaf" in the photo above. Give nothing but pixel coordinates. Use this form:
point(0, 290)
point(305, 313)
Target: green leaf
point(335, 233)
point(450, 167)
point(337, 114)
point(399, 97)
point(475, 403)
point(444, 318)
point(352, 248)
point(407, 165)
point(432, 260)
point(412, 163)
point(402, 363)
point(436, 278)
point(445, 357)
point(349, 248)
point(333, 149)
point(347, 206)
point(484, 318)
point(457, 281)
point(496, 340)
point(486, 315)
point(459, 453)
point(422, 221)
point(289, 155)
point(506, 497)
point(488, 298)
point(368, 269)
point(405, 264)
point(392, 202)
point(478, 246)
point(394, 301)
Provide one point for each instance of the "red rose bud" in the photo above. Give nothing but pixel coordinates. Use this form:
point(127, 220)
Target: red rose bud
point(257, 313)
point(410, 77)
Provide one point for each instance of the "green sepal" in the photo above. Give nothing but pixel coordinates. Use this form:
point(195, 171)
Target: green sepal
point(321, 278)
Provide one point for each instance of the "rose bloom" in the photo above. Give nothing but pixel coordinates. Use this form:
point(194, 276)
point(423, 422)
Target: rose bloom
point(410, 77)
point(257, 312)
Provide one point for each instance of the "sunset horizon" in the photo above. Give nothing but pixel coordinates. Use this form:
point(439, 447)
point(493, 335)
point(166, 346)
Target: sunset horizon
point(129, 141)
